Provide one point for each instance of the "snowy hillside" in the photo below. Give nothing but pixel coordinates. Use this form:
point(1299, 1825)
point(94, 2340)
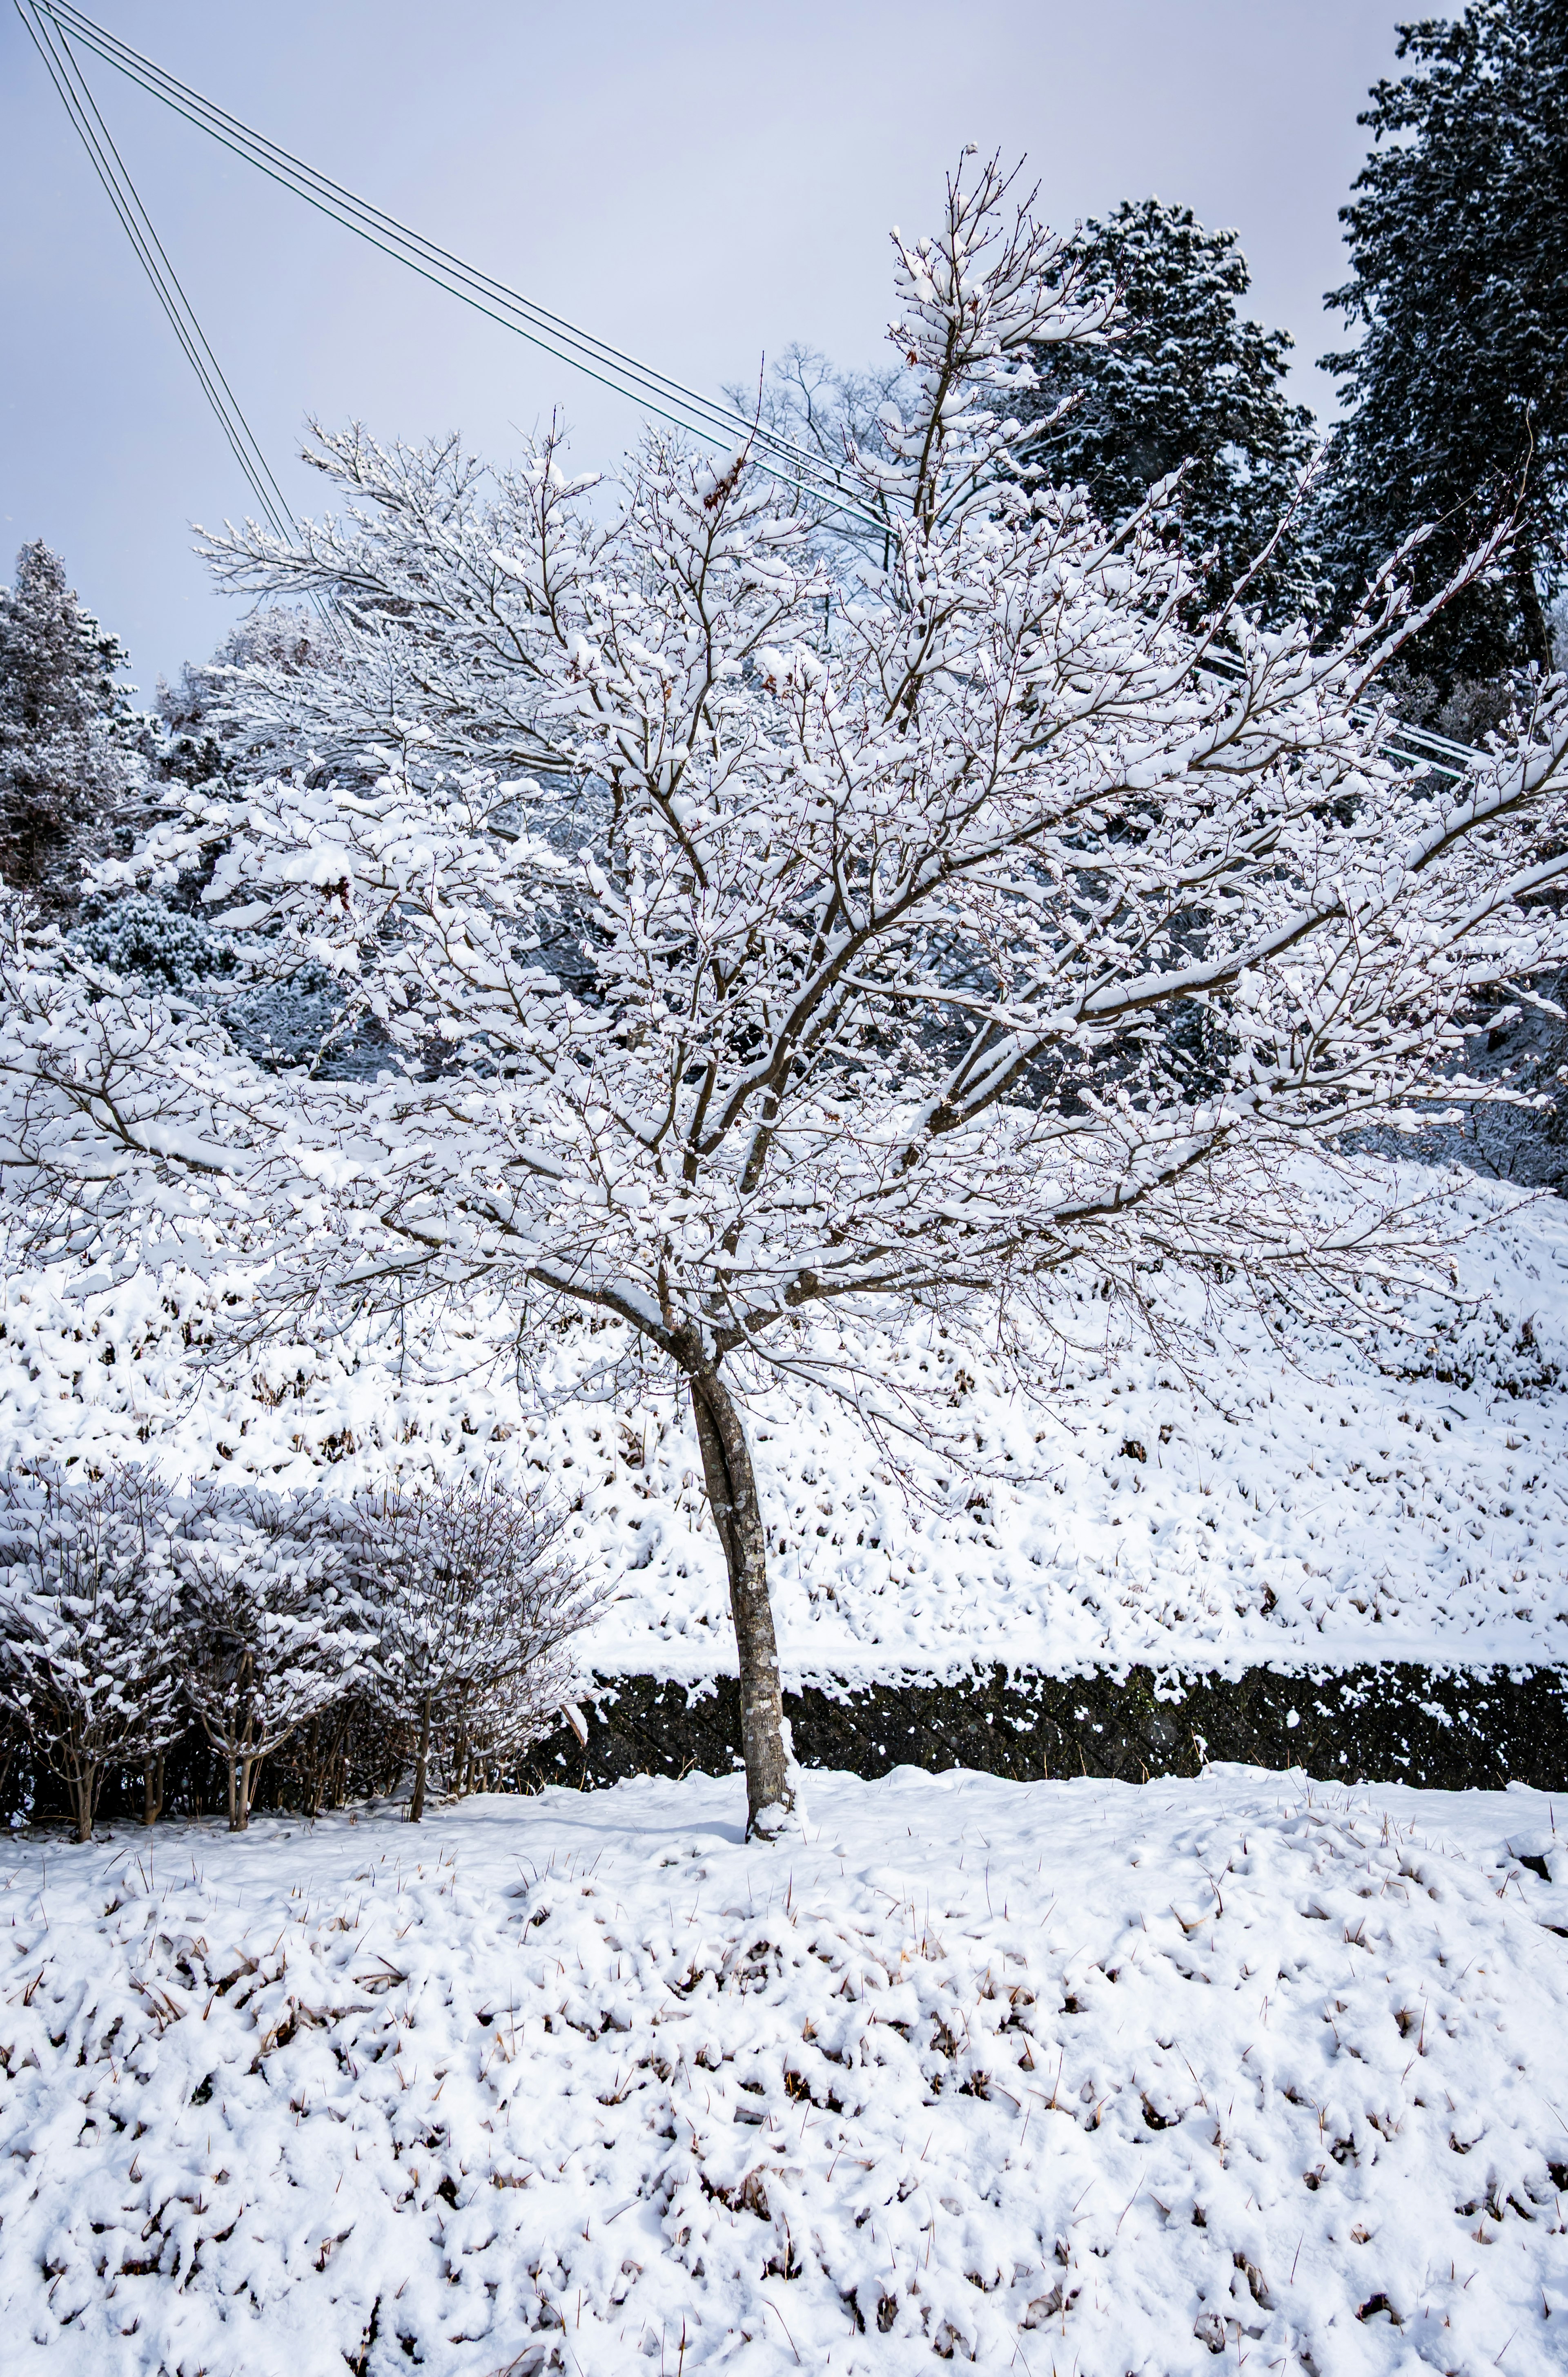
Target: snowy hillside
point(1230, 1496)
point(1065, 2075)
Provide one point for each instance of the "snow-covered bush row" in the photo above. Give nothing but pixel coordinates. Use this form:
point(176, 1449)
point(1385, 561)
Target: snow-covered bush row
point(130, 1616)
point(1067, 2075)
point(1250, 1491)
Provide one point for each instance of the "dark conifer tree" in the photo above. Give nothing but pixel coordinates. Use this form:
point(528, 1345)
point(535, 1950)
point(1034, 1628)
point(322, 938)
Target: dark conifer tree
point(66, 734)
point(1188, 380)
point(1457, 395)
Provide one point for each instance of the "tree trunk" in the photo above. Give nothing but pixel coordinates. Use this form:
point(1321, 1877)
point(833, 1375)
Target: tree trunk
point(241, 1762)
point(737, 1513)
point(84, 1791)
point(152, 1790)
point(1538, 635)
point(422, 1765)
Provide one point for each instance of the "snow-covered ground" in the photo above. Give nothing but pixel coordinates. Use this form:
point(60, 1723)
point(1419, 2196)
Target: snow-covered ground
point(1226, 1496)
point(1057, 2076)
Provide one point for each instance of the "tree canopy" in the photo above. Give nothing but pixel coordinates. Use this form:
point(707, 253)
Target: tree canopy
point(1457, 395)
point(1185, 382)
point(65, 758)
point(878, 936)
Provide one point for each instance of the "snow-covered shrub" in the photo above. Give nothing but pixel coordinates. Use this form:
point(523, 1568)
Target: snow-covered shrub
point(475, 1612)
point(279, 1021)
point(273, 1630)
point(142, 936)
point(88, 1594)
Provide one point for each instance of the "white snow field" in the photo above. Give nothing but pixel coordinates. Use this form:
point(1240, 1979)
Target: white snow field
point(1230, 1494)
point(1072, 2076)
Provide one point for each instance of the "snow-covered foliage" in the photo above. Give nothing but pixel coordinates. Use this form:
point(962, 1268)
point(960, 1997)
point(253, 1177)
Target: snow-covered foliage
point(1186, 384)
point(204, 737)
point(1456, 405)
point(474, 1616)
point(1301, 1497)
point(67, 740)
point(997, 939)
point(89, 1604)
point(875, 940)
point(146, 938)
point(1071, 2076)
point(274, 1631)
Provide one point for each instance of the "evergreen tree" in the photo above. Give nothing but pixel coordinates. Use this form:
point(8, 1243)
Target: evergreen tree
point(65, 756)
point(1187, 380)
point(1457, 396)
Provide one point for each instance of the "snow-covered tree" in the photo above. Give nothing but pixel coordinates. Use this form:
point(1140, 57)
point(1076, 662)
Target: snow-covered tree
point(88, 1604)
point(272, 1630)
point(201, 737)
point(1457, 396)
point(999, 938)
point(1185, 383)
point(829, 414)
point(65, 756)
point(474, 1610)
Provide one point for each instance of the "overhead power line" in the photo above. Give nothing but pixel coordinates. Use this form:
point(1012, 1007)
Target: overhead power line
point(108, 164)
point(653, 391)
point(55, 24)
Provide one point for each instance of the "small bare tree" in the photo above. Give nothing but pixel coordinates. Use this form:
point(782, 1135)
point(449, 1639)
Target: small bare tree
point(474, 1609)
point(88, 1600)
point(273, 1630)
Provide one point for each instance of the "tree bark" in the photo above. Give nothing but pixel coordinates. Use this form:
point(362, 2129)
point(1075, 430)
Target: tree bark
point(152, 1789)
point(422, 1765)
point(84, 1791)
point(737, 1513)
point(240, 1802)
point(1538, 635)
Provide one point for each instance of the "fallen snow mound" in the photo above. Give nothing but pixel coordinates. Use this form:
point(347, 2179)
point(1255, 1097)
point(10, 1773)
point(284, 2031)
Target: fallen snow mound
point(1068, 2075)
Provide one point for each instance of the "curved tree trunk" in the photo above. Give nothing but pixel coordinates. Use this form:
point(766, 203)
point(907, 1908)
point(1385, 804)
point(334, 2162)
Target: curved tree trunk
point(737, 1513)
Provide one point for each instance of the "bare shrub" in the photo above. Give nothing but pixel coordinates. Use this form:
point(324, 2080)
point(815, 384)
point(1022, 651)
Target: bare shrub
point(475, 1610)
point(89, 1596)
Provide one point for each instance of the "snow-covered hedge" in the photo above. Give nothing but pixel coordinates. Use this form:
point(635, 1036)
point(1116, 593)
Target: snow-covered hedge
point(430, 1623)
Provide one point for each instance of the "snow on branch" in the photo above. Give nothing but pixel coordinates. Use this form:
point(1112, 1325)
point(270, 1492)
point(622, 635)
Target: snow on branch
point(977, 931)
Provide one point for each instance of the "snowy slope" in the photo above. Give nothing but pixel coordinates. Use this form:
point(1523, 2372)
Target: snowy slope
point(1224, 1495)
point(1067, 2075)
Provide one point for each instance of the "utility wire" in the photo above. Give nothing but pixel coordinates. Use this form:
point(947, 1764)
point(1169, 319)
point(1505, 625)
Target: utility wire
point(653, 391)
point(110, 168)
point(52, 24)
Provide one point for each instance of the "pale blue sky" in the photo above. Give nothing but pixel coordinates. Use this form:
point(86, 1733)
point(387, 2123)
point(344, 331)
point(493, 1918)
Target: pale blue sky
point(698, 183)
